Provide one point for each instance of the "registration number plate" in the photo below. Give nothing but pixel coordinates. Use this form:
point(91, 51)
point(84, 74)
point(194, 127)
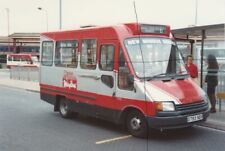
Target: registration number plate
point(194, 118)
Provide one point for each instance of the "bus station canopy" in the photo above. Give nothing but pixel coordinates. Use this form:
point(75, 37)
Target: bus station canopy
point(200, 33)
point(196, 32)
point(25, 37)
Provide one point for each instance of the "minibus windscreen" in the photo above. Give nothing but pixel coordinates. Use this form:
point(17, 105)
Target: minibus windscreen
point(154, 56)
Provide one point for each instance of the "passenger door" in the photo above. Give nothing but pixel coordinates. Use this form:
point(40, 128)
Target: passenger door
point(106, 83)
point(88, 77)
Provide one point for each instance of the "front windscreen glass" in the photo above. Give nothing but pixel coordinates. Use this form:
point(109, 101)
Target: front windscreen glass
point(154, 57)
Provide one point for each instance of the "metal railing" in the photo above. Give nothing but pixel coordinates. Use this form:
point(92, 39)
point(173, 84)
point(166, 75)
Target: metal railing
point(24, 73)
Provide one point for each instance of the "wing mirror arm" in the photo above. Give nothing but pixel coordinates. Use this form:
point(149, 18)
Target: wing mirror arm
point(130, 81)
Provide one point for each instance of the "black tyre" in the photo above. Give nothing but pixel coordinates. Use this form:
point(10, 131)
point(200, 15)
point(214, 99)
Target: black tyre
point(64, 108)
point(136, 124)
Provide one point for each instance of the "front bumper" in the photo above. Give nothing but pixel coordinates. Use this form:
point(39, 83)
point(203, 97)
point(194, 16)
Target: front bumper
point(175, 120)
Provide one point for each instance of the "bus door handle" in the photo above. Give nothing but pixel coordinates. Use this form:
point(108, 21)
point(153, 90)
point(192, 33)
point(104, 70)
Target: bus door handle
point(97, 77)
point(91, 76)
point(114, 94)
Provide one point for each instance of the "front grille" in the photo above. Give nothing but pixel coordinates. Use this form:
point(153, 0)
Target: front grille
point(191, 108)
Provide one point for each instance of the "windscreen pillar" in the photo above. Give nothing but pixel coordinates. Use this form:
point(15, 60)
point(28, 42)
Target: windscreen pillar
point(202, 54)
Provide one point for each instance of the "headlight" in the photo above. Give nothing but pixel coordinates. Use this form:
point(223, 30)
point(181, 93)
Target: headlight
point(165, 106)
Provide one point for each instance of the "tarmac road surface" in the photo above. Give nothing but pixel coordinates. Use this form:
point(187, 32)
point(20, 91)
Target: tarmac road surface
point(29, 124)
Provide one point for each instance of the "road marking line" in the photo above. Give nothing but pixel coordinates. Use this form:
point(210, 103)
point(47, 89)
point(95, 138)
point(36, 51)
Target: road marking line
point(113, 139)
point(210, 128)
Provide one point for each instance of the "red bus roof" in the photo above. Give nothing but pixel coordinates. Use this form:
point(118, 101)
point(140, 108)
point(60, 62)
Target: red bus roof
point(23, 54)
point(19, 54)
point(111, 32)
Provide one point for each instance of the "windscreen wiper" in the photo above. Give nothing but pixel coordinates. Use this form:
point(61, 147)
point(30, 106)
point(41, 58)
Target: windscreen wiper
point(156, 76)
point(179, 76)
point(183, 73)
point(167, 75)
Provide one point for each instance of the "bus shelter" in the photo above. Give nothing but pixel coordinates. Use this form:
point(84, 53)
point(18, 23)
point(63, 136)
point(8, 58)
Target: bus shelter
point(198, 35)
point(25, 43)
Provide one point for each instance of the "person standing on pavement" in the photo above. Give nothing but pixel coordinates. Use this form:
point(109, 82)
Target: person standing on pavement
point(212, 80)
point(192, 68)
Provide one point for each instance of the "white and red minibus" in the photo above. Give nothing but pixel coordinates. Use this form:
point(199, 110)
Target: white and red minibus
point(21, 60)
point(130, 74)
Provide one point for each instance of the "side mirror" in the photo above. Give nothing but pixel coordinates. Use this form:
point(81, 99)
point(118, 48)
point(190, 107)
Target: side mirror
point(130, 80)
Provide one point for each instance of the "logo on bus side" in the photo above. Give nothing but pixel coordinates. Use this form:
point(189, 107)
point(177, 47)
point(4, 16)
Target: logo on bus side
point(69, 80)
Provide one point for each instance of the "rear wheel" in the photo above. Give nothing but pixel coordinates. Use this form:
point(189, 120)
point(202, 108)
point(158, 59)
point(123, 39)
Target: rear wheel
point(136, 124)
point(64, 108)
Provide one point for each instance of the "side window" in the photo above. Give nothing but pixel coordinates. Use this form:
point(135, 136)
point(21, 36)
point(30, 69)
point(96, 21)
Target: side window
point(10, 59)
point(66, 54)
point(107, 80)
point(88, 54)
point(107, 58)
point(124, 76)
point(47, 53)
point(16, 58)
point(23, 59)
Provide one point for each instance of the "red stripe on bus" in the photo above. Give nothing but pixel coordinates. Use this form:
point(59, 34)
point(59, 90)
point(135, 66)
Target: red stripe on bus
point(117, 103)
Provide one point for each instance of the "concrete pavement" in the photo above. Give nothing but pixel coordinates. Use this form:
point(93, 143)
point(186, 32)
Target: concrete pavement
point(215, 120)
point(27, 85)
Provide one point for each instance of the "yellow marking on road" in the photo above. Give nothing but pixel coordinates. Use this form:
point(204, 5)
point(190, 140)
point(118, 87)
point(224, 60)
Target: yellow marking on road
point(113, 139)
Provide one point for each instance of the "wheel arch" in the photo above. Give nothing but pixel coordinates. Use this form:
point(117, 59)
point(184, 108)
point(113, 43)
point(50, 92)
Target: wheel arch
point(126, 110)
point(57, 101)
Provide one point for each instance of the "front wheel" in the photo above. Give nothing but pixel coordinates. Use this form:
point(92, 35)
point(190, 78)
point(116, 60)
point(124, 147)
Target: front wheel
point(136, 124)
point(64, 108)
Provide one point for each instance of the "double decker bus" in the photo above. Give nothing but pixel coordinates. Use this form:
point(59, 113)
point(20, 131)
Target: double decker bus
point(131, 74)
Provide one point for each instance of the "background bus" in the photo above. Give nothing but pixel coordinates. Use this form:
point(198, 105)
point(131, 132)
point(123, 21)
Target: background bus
point(22, 60)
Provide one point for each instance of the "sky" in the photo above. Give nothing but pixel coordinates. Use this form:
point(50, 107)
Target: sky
point(24, 15)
